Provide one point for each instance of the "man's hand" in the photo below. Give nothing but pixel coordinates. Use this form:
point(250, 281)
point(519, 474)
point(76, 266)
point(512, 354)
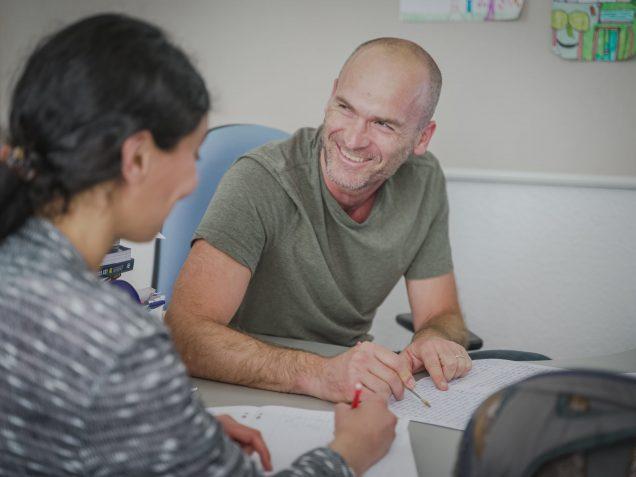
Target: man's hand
point(379, 370)
point(443, 359)
point(249, 439)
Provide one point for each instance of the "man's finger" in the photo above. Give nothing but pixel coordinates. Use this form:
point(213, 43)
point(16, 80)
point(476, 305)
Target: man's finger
point(400, 365)
point(376, 385)
point(468, 365)
point(368, 396)
point(462, 361)
point(389, 376)
point(434, 368)
point(449, 365)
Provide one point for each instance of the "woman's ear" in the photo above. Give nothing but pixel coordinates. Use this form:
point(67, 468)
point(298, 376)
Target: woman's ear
point(136, 153)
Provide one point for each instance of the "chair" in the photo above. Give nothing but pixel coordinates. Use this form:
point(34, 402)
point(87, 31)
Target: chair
point(221, 147)
point(406, 321)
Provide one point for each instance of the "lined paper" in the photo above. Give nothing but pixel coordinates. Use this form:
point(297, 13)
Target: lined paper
point(454, 407)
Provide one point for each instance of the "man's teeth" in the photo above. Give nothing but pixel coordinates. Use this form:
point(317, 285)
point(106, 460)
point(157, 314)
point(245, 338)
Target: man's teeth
point(353, 158)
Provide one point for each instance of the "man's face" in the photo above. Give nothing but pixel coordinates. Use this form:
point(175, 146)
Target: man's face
point(372, 122)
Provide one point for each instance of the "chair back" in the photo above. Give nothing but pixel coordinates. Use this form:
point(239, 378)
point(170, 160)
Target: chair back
point(221, 147)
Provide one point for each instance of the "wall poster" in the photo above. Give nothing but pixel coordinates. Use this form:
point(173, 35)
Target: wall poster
point(459, 10)
point(588, 30)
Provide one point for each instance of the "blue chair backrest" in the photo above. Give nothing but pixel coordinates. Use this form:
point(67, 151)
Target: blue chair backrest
point(221, 147)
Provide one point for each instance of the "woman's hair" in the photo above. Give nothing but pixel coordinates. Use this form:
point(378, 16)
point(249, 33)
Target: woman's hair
point(83, 91)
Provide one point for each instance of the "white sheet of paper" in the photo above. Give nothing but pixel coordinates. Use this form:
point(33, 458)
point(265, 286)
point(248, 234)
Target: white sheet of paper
point(453, 408)
point(290, 432)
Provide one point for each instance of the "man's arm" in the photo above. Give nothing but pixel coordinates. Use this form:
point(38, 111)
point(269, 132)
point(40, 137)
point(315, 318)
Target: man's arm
point(440, 335)
point(207, 294)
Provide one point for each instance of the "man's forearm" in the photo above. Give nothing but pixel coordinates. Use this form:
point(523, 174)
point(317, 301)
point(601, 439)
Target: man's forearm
point(448, 326)
point(214, 351)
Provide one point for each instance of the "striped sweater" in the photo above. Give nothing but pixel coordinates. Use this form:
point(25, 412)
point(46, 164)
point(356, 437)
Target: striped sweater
point(90, 384)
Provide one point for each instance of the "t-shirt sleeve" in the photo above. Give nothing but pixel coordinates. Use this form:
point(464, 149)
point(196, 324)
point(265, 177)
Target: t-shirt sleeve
point(144, 420)
point(244, 214)
point(434, 257)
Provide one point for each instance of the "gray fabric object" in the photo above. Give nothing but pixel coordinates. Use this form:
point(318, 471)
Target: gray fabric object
point(316, 273)
point(560, 423)
point(90, 383)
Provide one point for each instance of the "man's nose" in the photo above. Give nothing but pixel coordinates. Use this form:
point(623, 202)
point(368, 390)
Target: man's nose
point(356, 135)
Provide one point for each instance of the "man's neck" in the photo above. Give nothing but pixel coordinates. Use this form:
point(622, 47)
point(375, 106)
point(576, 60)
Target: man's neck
point(359, 211)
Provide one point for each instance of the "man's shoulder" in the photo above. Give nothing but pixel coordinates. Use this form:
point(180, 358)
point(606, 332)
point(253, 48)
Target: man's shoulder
point(422, 168)
point(427, 162)
point(290, 165)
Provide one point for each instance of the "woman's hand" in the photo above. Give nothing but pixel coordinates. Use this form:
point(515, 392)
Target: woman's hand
point(249, 439)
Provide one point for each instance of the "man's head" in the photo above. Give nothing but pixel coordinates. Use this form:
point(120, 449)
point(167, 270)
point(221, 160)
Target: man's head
point(379, 113)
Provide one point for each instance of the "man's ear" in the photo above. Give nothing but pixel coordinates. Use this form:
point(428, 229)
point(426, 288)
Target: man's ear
point(427, 133)
point(135, 157)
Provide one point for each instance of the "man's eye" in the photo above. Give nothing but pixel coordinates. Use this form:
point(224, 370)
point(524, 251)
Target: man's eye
point(343, 106)
point(384, 124)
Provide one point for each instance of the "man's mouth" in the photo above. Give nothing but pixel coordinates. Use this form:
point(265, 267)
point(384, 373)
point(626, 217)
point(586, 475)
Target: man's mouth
point(352, 157)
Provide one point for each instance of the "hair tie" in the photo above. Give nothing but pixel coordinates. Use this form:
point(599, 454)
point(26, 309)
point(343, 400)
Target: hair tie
point(16, 160)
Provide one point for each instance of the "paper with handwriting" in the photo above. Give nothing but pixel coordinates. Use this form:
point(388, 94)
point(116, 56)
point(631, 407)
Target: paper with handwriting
point(290, 432)
point(454, 407)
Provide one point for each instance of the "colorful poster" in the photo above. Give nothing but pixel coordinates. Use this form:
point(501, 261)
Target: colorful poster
point(459, 10)
point(589, 30)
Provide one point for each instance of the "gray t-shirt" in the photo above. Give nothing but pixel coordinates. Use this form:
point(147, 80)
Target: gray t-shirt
point(316, 273)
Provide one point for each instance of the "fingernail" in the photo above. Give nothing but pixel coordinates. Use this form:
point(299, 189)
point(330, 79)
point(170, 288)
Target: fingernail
point(444, 385)
point(410, 383)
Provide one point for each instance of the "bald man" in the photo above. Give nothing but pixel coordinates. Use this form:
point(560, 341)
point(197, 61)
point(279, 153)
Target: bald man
point(305, 238)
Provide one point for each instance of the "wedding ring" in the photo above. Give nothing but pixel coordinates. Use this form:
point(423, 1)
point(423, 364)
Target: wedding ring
point(460, 356)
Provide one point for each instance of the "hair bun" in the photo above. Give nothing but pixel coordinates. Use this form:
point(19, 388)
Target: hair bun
point(19, 162)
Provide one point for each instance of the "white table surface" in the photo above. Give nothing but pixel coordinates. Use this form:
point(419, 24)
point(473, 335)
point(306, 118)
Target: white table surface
point(434, 447)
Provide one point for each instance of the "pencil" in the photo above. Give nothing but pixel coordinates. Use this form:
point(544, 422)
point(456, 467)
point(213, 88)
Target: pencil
point(356, 396)
point(424, 401)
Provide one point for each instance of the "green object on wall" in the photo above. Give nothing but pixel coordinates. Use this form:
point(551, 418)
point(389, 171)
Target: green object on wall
point(594, 31)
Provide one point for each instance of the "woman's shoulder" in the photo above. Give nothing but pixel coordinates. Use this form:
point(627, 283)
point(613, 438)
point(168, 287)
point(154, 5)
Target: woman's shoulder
point(74, 314)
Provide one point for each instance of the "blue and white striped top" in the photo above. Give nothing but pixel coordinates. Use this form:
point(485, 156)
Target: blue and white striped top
point(90, 384)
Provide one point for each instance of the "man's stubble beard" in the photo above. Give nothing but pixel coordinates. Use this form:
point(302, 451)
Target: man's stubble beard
point(363, 182)
point(348, 185)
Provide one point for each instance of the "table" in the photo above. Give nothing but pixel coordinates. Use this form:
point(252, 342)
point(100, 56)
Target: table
point(434, 448)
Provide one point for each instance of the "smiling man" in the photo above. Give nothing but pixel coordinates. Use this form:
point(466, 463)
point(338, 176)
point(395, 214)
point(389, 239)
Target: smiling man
point(305, 238)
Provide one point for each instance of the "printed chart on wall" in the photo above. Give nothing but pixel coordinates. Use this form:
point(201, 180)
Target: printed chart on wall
point(587, 30)
point(459, 10)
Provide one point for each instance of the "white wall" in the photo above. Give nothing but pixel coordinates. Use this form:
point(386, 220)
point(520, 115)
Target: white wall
point(543, 268)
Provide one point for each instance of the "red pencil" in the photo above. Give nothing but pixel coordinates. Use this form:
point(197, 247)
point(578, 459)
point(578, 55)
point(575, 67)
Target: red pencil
point(356, 396)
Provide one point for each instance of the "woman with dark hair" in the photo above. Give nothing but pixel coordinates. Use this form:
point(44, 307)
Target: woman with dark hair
point(105, 123)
